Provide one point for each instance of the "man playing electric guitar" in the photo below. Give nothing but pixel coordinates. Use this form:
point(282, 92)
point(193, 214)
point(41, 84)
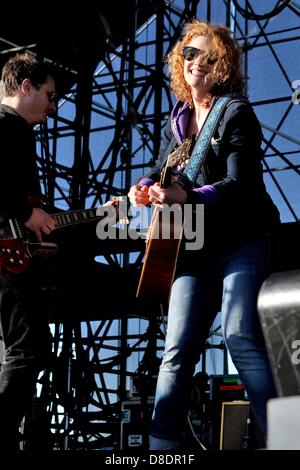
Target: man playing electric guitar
point(29, 97)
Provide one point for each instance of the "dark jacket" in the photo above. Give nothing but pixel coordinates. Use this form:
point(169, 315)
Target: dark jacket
point(18, 170)
point(233, 166)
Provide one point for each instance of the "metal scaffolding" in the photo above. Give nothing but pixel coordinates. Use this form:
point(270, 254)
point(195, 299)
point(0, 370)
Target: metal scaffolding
point(105, 134)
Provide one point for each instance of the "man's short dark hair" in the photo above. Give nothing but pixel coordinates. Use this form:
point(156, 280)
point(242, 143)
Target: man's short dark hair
point(22, 66)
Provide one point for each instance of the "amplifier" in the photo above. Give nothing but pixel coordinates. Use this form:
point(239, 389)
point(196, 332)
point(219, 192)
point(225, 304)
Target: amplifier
point(226, 388)
point(234, 416)
point(222, 388)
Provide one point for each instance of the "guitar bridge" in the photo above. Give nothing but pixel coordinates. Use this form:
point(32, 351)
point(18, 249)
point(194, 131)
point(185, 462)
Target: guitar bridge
point(43, 249)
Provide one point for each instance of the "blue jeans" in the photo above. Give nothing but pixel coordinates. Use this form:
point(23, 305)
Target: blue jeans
point(234, 280)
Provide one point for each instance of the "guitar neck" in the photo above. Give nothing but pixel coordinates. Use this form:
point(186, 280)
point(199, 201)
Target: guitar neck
point(65, 219)
point(179, 155)
point(81, 216)
point(166, 175)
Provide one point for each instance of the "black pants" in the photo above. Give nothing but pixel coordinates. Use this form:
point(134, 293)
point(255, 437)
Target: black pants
point(25, 332)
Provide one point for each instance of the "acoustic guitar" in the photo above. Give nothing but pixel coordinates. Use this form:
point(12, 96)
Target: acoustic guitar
point(18, 244)
point(164, 237)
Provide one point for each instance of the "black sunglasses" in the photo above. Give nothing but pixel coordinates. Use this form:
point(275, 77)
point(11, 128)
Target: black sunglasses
point(191, 53)
point(52, 96)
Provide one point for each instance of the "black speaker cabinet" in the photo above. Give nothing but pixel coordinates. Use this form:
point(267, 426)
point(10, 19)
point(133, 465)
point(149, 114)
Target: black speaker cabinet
point(279, 311)
point(223, 388)
point(233, 424)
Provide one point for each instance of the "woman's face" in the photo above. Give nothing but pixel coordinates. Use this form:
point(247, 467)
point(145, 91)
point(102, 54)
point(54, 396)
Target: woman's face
point(196, 69)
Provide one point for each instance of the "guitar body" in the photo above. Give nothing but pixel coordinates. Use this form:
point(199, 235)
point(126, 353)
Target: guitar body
point(13, 256)
point(17, 246)
point(164, 237)
point(161, 254)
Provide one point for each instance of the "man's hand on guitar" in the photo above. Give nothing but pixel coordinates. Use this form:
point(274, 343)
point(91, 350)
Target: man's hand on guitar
point(138, 195)
point(40, 222)
point(171, 195)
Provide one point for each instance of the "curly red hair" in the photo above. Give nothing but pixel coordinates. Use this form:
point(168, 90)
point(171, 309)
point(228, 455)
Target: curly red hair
point(226, 74)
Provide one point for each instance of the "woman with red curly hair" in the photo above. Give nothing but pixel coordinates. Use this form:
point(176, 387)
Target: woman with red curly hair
point(224, 174)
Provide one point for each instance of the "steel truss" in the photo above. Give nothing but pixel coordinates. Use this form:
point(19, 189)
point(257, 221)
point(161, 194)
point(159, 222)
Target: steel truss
point(107, 132)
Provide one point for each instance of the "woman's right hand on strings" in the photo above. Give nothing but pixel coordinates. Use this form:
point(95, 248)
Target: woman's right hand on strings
point(138, 195)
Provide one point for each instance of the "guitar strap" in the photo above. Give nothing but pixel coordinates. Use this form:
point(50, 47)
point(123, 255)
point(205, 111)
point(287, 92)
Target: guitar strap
point(189, 174)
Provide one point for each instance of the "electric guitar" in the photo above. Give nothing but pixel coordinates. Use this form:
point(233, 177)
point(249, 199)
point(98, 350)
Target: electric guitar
point(18, 244)
point(164, 237)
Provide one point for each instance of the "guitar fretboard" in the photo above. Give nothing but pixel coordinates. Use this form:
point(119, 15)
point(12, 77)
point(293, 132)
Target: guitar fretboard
point(75, 217)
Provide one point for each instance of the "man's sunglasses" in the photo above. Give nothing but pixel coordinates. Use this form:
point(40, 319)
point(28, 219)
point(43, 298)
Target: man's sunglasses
point(52, 96)
point(191, 53)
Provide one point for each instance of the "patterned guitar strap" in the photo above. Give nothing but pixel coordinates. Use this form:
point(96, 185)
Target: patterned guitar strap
point(189, 174)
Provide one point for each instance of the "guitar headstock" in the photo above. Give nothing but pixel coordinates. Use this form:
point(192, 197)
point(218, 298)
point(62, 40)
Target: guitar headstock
point(179, 155)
